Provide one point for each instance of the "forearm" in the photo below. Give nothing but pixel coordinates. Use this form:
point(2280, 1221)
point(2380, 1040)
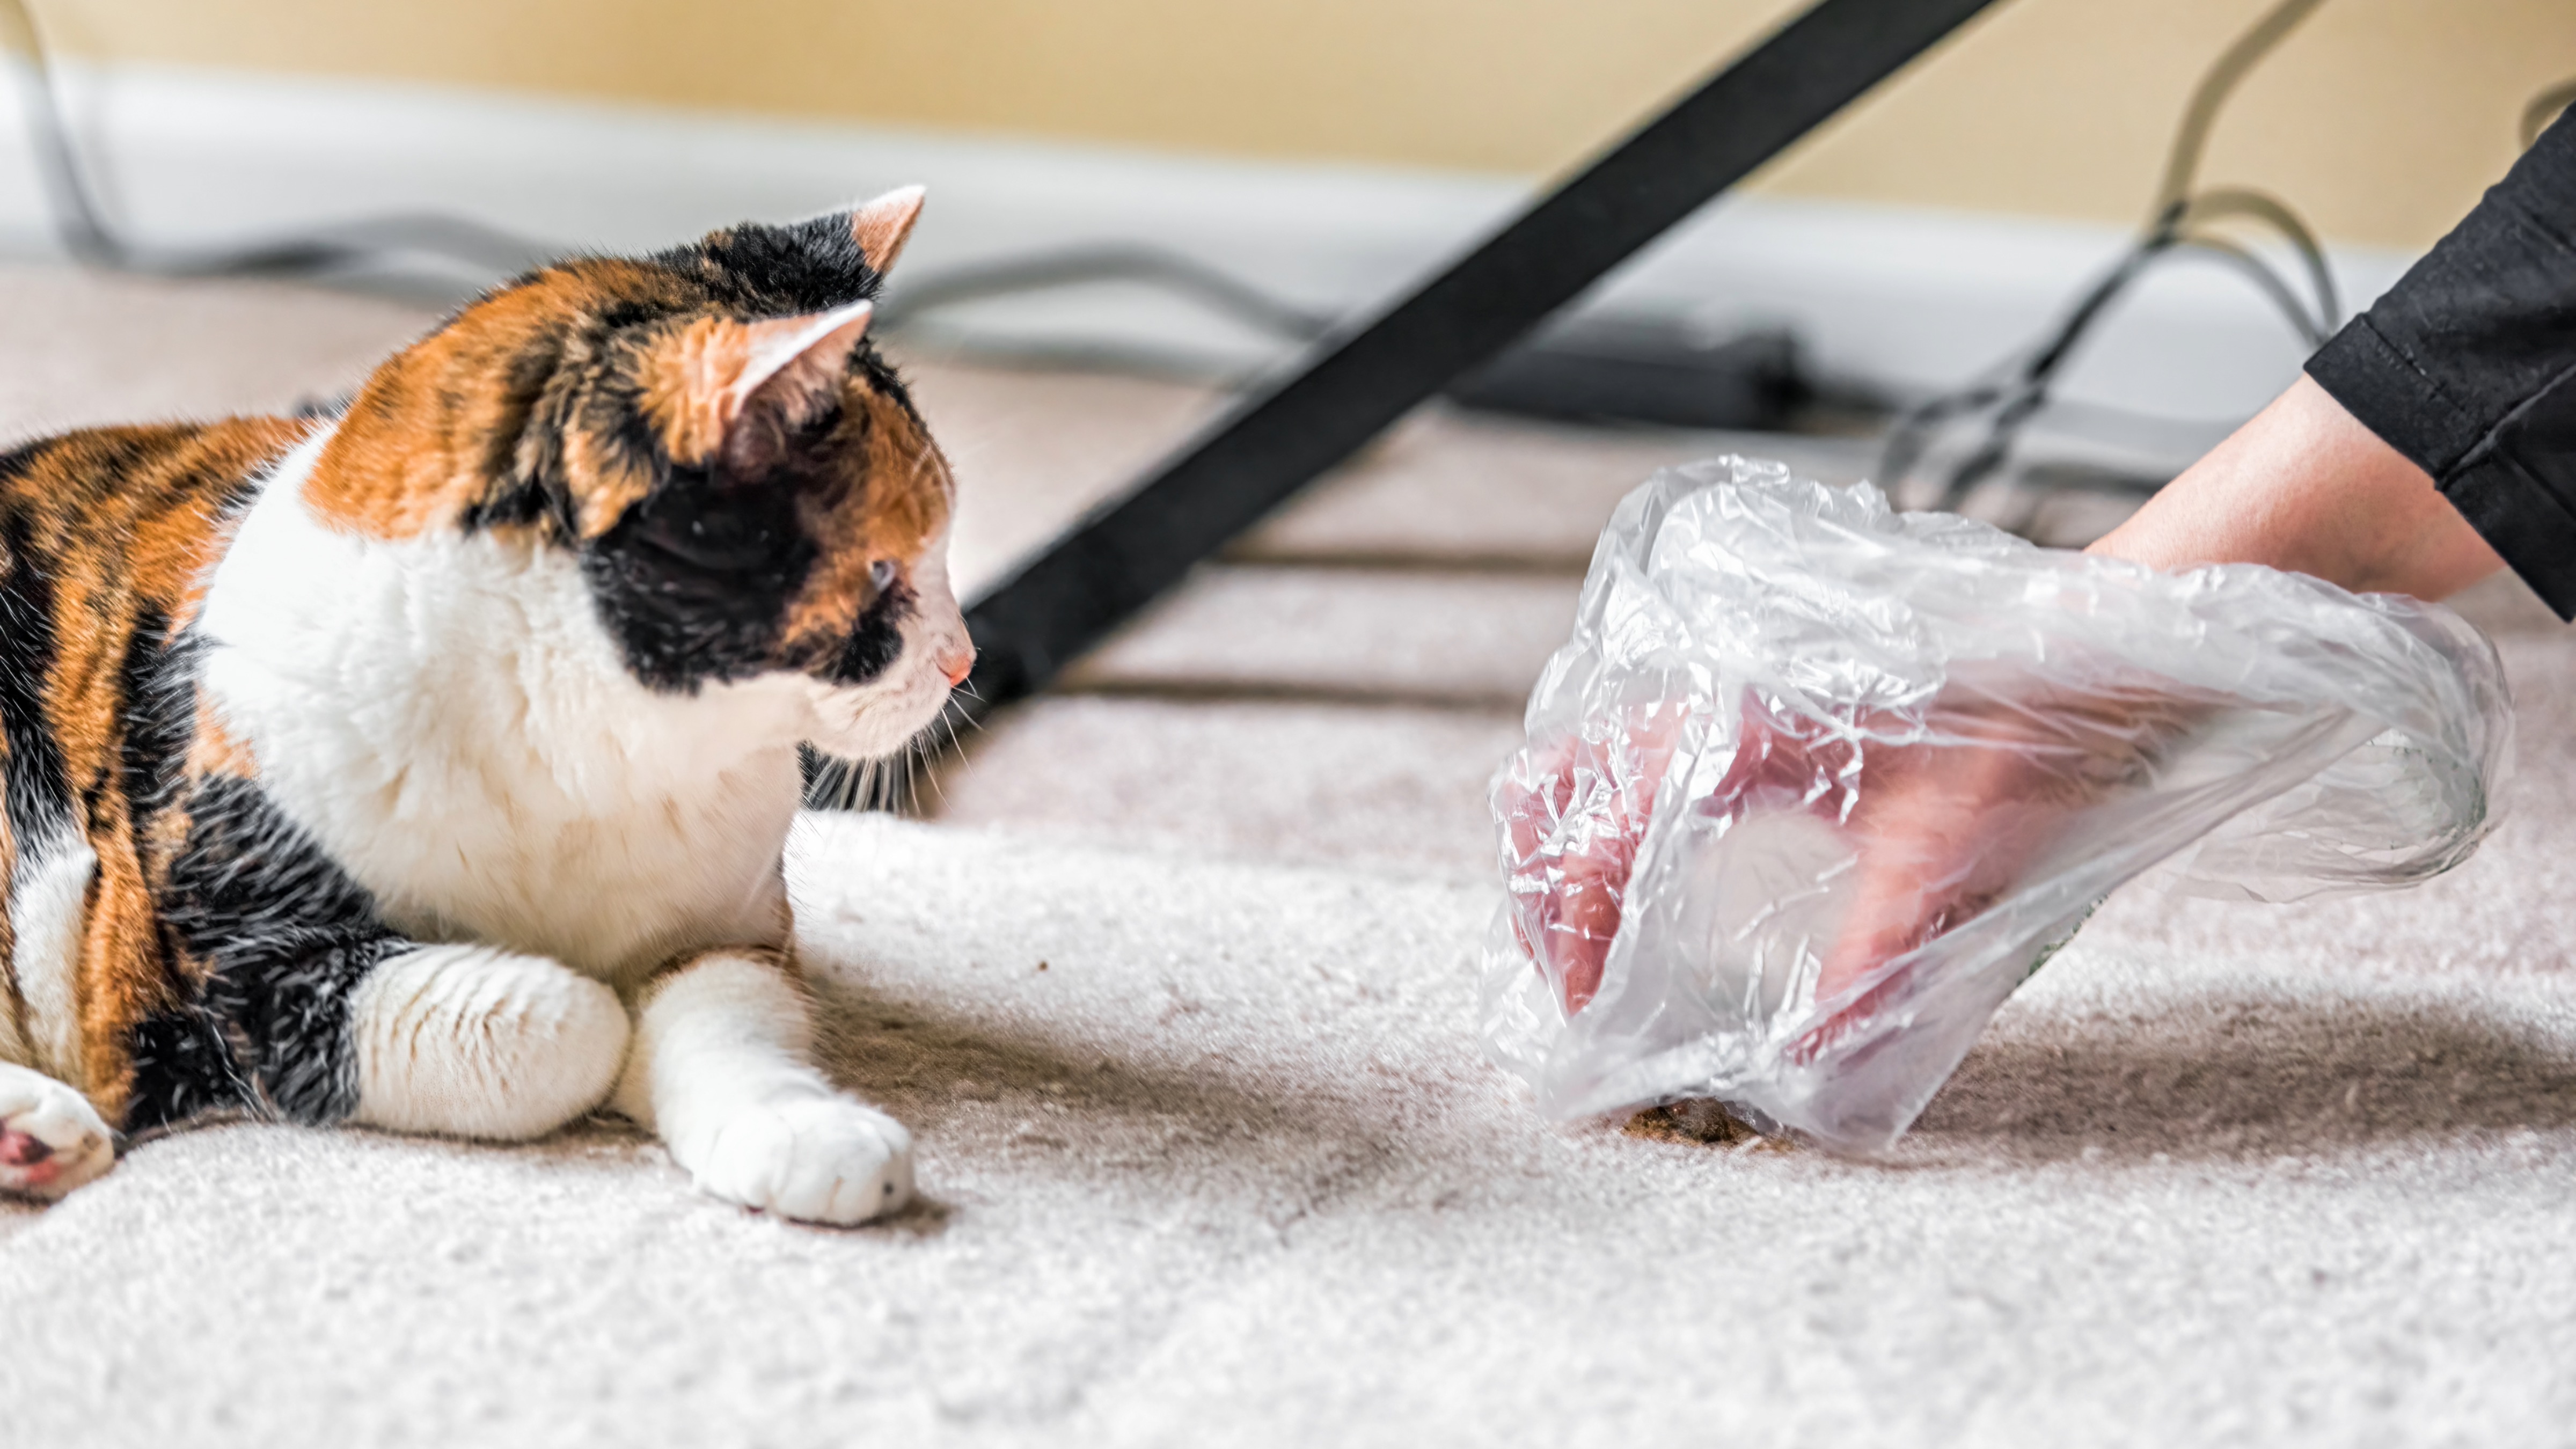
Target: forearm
point(2306, 487)
point(2428, 443)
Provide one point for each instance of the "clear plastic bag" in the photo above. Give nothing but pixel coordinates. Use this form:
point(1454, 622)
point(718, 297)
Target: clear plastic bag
point(1816, 784)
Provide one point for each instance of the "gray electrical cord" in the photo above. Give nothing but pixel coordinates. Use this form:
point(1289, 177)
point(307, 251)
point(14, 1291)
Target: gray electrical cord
point(82, 225)
point(2169, 229)
point(85, 231)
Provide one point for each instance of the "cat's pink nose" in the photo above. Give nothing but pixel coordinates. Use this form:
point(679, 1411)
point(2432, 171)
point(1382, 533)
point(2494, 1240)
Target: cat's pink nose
point(957, 664)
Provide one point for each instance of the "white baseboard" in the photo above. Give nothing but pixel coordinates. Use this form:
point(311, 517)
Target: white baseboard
point(1907, 300)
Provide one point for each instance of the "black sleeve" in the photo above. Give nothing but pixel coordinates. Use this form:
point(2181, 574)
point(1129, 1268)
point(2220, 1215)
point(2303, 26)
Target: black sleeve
point(2468, 367)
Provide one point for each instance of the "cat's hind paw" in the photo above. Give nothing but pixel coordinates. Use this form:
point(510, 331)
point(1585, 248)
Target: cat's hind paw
point(817, 1159)
point(51, 1138)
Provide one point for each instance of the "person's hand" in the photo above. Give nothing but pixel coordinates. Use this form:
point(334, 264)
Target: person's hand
point(1573, 812)
point(2306, 488)
point(1942, 815)
point(1944, 828)
point(1939, 830)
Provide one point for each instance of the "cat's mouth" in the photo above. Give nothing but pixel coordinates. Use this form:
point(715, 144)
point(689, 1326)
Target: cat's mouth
point(883, 717)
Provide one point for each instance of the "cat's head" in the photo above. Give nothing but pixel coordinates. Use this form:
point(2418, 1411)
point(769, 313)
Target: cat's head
point(744, 483)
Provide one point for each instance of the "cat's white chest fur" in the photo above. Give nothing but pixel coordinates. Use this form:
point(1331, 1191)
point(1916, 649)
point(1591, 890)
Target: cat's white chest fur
point(451, 721)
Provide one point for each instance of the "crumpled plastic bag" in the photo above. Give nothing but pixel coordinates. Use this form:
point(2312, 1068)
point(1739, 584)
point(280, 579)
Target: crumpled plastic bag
point(1816, 784)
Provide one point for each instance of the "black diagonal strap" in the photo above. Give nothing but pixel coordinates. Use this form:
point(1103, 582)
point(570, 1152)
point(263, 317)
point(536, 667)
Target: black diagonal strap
point(1122, 556)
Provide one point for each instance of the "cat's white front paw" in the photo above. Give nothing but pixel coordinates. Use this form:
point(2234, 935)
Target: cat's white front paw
point(51, 1138)
point(815, 1158)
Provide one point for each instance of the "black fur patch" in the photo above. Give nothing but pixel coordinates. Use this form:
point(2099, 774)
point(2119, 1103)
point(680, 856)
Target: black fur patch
point(517, 503)
point(779, 271)
point(523, 457)
point(183, 1069)
point(516, 483)
point(809, 266)
point(159, 687)
point(39, 796)
point(694, 581)
point(878, 640)
point(286, 936)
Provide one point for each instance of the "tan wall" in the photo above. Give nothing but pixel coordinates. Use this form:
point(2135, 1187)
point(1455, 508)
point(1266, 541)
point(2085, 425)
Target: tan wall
point(2382, 119)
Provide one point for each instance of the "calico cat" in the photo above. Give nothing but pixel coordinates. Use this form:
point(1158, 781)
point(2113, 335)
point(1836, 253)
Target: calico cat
point(429, 766)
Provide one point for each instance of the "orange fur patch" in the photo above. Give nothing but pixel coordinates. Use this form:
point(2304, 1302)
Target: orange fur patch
point(123, 975)
point(686, 382)
point(416, 449)
point(124, 523)
point(215, 752)
point(894, 510)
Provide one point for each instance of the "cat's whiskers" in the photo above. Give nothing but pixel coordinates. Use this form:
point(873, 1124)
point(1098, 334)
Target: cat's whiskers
point(860, 781)
point(955, 752)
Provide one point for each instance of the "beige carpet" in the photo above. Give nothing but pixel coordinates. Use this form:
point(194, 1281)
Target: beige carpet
point(1184, 1020)
point(1212, 1156)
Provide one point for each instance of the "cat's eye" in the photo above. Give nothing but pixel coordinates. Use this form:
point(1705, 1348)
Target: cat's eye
point(881, 575)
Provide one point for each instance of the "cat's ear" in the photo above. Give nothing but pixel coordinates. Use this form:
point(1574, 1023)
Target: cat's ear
point(792, 360)
point(882, 226)
point(791, 370)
